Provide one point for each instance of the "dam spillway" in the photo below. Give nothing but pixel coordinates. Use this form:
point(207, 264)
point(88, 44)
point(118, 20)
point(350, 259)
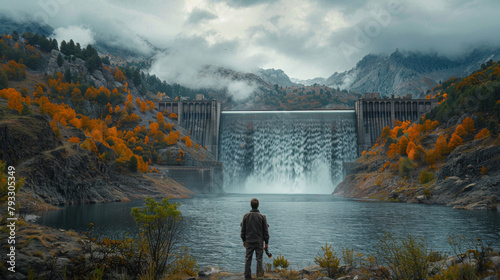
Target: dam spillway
point(286, 151)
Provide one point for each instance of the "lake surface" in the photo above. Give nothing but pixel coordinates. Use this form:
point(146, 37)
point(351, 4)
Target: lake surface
point(299, 224)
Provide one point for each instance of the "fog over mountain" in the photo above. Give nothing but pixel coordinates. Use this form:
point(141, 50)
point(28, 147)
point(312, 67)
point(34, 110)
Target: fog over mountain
point(306, 39)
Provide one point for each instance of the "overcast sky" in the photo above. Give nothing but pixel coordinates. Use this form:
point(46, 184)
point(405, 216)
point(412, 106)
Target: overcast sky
point(306, 39)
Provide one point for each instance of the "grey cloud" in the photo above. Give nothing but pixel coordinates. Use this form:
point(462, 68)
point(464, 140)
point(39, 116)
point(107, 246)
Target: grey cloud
point(244, 3)
point(199, 15)
point(348, 7)
point(274, 36)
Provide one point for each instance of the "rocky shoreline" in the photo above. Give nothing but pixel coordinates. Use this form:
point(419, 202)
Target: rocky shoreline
point(458, 182)
point(47, 252)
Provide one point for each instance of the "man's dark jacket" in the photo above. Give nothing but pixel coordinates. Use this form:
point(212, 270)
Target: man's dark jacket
point(254, 227)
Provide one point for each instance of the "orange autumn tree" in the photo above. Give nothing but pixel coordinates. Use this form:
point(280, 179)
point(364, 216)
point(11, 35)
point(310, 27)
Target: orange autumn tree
point(172, 138)
point(392, 151)
point(417, 153)
point(153, 128)
point(119, 75)
point(481, 134)
point(431, 157)
point(14, 99)
point(15, 71)
point(130, 98)
point(402, 145)
point(74, 139)
point(460, 130)
point(441, 146)
point(468, 124)
point(144, 107)
point(413, 134)
point(410, 147)
point(188, 141)
point(161, 120)
point(38, 92)
point(151, 105)
point(455, 141)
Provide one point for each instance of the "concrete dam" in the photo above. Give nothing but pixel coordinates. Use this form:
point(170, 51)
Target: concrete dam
point(286, 151)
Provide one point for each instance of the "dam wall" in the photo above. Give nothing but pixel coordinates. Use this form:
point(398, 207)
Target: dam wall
point(200, 117)
point(374, 113)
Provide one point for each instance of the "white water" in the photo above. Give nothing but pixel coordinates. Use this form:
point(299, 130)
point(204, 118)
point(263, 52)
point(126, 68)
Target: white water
point(286, 151)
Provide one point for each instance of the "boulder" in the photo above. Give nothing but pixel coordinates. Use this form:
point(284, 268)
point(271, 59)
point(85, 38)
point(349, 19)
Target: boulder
point(421, 198)
point(210, 270)
point(312, 270)
point(496, 261)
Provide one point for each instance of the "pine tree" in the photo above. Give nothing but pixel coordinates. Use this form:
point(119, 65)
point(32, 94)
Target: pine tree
point(132, 164)
point(4, 80)
point(60, 60)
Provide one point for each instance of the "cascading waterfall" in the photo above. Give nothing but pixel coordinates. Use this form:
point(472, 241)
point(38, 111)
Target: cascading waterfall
point(286, 151)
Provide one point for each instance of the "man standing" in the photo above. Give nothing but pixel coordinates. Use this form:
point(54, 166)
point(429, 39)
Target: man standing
point(254, 232)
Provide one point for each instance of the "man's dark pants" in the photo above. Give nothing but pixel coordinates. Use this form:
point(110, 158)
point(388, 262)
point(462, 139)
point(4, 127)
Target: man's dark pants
point(259, 250)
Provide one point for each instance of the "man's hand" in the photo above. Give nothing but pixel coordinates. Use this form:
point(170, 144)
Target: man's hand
point(267, 246)
point(244, 244)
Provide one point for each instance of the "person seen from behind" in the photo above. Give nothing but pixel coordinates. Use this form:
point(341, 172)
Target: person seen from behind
point(254, 233)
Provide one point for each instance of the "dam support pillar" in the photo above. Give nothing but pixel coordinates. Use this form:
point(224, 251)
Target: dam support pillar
point(201, 118)
point(372, 114)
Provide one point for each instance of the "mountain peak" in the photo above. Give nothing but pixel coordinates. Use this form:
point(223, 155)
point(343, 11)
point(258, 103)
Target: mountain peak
point(275, 76)
point(404, 72)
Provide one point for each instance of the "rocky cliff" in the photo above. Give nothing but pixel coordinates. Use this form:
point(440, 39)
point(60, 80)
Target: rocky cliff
point(59, 173)
point(457, 183)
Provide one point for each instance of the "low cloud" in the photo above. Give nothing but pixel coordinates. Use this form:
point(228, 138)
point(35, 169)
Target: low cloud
point(194, 63)
point(79, 34)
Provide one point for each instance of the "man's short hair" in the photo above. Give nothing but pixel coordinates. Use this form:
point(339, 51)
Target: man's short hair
point(254, 203)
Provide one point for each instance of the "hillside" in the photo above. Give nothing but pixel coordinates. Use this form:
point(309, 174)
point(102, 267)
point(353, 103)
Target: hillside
point(449, 157)
point(82, 131)
point(404, 72)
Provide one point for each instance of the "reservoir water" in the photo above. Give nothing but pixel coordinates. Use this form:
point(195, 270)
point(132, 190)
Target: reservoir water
point(299, 224)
